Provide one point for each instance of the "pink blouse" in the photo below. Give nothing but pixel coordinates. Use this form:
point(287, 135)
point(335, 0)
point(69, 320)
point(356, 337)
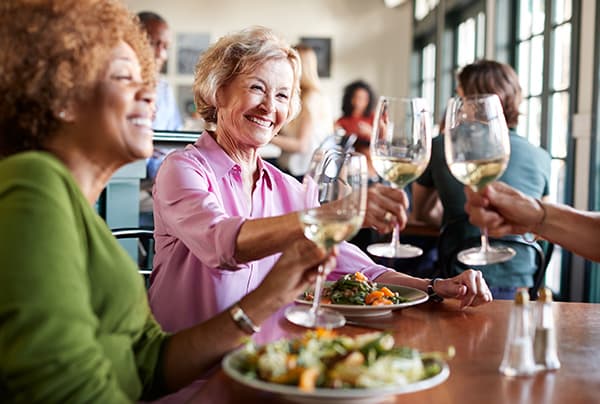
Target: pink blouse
point(198, 211)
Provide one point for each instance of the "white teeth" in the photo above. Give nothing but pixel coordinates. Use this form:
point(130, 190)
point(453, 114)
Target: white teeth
point(261, 122)
point(141, 122)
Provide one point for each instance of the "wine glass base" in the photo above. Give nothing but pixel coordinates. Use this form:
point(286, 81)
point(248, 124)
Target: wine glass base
point(387, 250)
point(304, 317)
point(494, 255)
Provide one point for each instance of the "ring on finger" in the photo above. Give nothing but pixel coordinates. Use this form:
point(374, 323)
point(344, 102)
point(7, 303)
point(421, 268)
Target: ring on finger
point(388, 217)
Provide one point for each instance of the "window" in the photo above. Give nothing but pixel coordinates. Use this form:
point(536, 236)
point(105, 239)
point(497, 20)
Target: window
point(423, 64)
point(537, 43)
point(424, 7)
point(543, 63)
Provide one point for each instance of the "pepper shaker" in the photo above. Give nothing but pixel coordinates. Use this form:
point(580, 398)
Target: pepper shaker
point(518, 359)
point(544, 343)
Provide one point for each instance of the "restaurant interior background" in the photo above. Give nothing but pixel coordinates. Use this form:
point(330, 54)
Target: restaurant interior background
point(405, 47)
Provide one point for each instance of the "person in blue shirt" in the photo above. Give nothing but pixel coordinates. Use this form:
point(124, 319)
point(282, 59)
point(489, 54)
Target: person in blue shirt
point(166, 112)
point(167, 115)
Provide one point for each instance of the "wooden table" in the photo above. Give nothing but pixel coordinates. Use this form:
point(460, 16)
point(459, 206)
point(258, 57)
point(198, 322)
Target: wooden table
point(478, 334)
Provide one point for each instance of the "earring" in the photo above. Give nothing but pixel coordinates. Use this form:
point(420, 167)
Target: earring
point(62, 115)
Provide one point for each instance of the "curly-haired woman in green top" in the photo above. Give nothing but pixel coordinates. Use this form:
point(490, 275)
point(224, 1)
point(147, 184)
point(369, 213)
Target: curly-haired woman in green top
point(77, 80)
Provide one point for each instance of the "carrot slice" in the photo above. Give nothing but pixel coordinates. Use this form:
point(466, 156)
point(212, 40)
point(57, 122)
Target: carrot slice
point(359, 276)
point(382, 302)
point(371, 297)
point(387, 292)
point(308, 379)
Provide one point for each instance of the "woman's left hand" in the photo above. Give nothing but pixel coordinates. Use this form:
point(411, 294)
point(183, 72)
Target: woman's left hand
point(469, 287)
point(385, 207)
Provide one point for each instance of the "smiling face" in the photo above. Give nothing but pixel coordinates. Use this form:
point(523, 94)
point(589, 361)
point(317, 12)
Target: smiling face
point(115, 124)
point(254, 106)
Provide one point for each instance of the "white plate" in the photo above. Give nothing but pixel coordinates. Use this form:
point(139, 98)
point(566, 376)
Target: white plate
point(231, 364)
point(414, 296)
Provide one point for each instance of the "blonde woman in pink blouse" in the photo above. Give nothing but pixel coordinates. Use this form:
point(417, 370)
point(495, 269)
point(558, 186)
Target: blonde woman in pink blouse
point(223, 215)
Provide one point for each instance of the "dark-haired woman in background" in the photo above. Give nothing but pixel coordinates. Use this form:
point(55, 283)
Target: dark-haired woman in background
point(358, 103)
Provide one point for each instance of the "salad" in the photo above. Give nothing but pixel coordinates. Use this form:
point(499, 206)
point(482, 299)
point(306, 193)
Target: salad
point(357, 289)
point(323, 359)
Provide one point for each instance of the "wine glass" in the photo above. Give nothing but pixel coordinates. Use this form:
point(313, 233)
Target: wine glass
point(338, 180)
point(477, 149)
point(400, 151)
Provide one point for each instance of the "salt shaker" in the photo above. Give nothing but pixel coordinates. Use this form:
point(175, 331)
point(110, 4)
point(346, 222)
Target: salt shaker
point(544, 343)
point(518, 359)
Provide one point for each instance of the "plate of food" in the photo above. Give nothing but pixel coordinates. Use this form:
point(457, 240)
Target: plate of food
point(324, 367)
point(354, 295)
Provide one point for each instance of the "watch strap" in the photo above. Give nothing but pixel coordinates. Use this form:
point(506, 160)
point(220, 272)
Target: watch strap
point(241, 319)
point(434, 297)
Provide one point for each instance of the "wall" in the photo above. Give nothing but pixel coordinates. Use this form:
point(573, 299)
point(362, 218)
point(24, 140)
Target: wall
point(369, 41)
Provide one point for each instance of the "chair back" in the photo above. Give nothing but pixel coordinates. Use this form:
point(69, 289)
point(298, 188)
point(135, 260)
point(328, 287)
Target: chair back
point(447, 261)
point(144, 247)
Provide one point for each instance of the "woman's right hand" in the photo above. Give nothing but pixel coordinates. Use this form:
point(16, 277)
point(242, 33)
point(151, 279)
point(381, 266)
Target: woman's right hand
point(385, 207)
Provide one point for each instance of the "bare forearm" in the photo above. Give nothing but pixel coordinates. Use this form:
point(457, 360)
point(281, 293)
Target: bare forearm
point(398, 278)
point(192, 352)
point(426, 205)
point(259, 238)
point(576, 230)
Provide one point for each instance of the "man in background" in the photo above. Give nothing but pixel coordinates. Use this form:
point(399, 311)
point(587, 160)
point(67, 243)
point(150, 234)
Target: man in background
point(167, 113)
point(167, 116)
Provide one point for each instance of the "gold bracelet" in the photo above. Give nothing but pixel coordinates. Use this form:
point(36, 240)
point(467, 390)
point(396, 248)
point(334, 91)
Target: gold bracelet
point(241, 319)
point(542, 220)
point(544, 212)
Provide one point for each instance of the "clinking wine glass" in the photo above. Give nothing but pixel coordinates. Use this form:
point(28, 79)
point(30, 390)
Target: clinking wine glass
point(400, 151)
point(338, 181)
point(477, 149)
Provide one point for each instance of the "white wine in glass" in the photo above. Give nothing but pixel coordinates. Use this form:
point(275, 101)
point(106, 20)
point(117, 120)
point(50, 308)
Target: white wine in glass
point(400, 151)
point(338, 180)
point(477, 149)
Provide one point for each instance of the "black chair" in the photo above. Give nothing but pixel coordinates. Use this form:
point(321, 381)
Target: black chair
point(145, 247)
point(543, 252)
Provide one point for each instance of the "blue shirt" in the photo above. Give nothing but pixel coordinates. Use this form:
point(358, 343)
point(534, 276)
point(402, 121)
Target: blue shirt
point(167, 113)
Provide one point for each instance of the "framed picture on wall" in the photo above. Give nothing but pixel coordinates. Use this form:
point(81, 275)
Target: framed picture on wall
point(185, 100)
point(189, 46)
point(322, 47)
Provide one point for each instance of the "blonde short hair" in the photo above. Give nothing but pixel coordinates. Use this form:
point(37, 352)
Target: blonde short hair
point(54, 52)
point(240, 53)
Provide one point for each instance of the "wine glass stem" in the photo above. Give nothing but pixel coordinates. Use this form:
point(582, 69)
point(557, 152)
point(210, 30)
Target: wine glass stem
point(485, 244)
point(396, 237)
point(316, 303)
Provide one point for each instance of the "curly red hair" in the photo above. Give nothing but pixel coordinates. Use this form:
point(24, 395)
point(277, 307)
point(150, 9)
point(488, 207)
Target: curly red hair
point(53, 54)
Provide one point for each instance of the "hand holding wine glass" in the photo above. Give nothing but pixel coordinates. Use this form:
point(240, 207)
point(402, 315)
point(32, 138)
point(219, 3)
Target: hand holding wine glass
point(338, 180)
point(477, 149)
point(400, 150)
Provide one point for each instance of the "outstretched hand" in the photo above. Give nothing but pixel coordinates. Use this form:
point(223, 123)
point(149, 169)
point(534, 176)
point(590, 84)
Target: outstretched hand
point(469, 288)
point(503, 210)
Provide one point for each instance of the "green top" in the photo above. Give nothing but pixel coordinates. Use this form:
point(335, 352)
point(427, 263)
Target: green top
point(75, 325)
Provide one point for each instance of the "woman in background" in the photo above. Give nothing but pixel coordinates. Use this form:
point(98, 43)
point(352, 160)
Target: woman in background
point(299, 138)
point(77, 89)
point(358, 103)
point(528, 170)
